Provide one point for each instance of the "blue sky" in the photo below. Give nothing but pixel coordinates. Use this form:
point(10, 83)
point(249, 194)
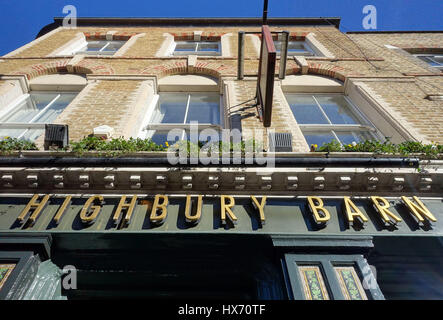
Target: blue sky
point(21, 20)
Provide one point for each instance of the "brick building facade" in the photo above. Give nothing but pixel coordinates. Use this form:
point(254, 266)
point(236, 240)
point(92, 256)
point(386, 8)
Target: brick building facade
point(382, 63)
point(128, 74)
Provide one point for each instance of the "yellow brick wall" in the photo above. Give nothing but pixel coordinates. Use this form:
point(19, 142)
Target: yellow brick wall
point(108, 101)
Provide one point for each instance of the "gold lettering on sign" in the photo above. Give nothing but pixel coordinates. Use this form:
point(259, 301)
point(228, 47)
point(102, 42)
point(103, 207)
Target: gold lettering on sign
point(157, 206)
point(129, 210)
point(85, 215)
point(383, 210)
point(198, 212)
point(62, 209)
point(419, 210)
point(226, 208)
point(33, 204)
point(325, 216)
point(352, 211)
point(260, 206)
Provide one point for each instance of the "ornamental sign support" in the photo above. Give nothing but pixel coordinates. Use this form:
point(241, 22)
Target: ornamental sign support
point(266, 72)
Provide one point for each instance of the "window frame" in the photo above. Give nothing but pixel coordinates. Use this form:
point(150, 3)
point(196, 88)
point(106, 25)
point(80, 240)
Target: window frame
point(196, 52)
point(305, 45)
point(30, 125)
point(327, 263)
point(149, 129)
point(77, 49)
point(431, 56)
point(364, 124)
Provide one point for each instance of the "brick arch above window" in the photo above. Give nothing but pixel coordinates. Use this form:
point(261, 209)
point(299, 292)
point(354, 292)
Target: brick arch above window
point(205, 36)
point(93, 66)
point(324, 69)
point(46, 68)
point(209, 68)
point(62, 66)
point(109, 35)
point(331, 70)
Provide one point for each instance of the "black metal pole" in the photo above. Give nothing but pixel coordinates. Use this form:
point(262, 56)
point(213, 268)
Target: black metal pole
point(265, 12)
point(283, 54)
point(241, 54)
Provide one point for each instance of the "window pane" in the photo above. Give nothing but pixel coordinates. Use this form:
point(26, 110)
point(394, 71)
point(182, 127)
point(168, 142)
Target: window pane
point(114, 46)
point(207, 46)
point(24, 112)
point(171, 108)
point(204, 108)
point(296, 45)
point(439, 59)
point(95, 45)
point(190, 46)
point(337, 109)
point(32, 134)
point(348, 137)
point(433, 61)
point(294, 48)
point(305, 110)
point(319, 138)
point(29, 108)
point(11, 133)
point(298, 48)
point(42, 99)
point(161, 136)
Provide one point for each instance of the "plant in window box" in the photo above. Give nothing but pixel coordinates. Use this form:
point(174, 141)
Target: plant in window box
point(186, 149)
point(406, 148)
point(114, 146)
point(8, 145)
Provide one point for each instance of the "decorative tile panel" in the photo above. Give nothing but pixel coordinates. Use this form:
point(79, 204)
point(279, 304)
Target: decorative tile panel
point(313, 284)
point(5, 271)
point(350, 284)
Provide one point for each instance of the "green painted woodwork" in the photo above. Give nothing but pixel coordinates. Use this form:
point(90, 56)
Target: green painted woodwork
point(326, 263)
point(284, 216)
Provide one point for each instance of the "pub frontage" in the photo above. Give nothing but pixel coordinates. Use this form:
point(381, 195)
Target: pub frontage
point(291, 220)
point(250, 244)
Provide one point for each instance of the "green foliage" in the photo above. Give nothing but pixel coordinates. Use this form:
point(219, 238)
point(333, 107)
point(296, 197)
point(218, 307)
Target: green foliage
point(219, 147)
point(114, 146)
point(118, 146)
point(405, 148)
point(9, 145)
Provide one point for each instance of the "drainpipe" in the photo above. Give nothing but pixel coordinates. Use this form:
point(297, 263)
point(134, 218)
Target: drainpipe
point(283, 54)
point(241, 55)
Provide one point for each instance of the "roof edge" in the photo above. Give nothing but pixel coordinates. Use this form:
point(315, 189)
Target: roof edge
point(195, 21)
point(393, 31)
